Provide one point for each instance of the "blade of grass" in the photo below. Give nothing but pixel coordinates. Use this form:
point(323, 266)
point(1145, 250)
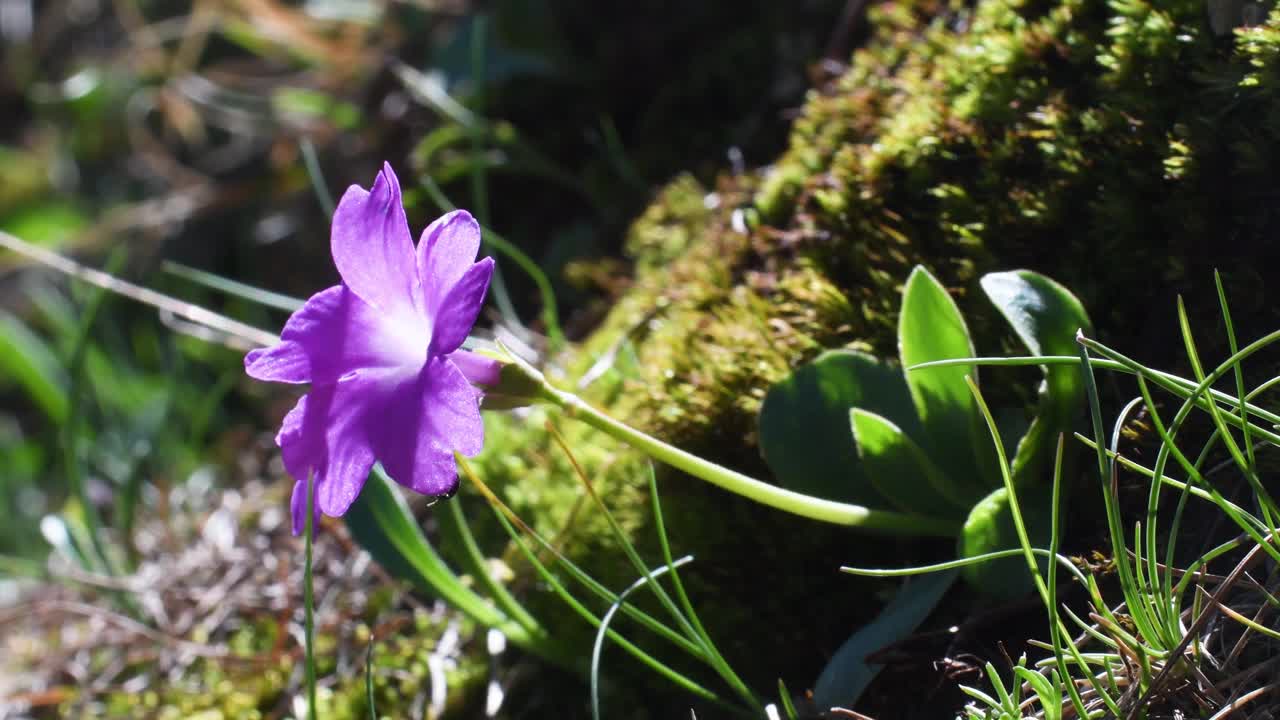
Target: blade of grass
point(1163, 588)
point(1170, 601)
point(501, 512)
point(477, 164)
point(368, 681)
point(1235, 513)
point(1266, 503)
point(1055, 622)
point(1238, 370)
point(213, 281)
point(550, 314)
point(711, 655)
point(70, 431)
point(1108, 485)
point(627, 547)
point(1210, 495)
point(1015, 509)
point(1027, 550)
point(1179, 386)
point(784, 697)
point(453, 525)
point(29, 361)
point(252, 336)
point(1062, 560)
point(598, 647)
point(1149, 620)
point(312, 162)
point(715, 659)
point(577, 574)
point(1077, 657)
point(381, 522)
point(1247, 622)
point(1129, 583)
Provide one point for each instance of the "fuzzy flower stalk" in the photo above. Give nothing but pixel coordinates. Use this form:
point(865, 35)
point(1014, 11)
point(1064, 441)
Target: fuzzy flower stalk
point(382, 353)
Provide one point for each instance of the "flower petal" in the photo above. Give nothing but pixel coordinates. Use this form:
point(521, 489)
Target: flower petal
point(476, 368)
point(418, 431)
point(333, 334)
point(456, 314)
point(298, 508)
point(446, 251)
point(372, 246)
point(325, 434)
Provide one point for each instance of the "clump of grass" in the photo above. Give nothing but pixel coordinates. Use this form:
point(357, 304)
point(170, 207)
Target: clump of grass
point(1191, 634)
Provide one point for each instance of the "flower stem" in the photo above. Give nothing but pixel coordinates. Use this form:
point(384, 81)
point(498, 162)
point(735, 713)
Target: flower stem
point(308, 601)
point(764, 493)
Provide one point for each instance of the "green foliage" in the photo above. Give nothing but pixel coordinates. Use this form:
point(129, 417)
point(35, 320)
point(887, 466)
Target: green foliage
point(930, 328)
point(1007, 704)
point(381, 522)
point(990, 528)
point(1020, 296)
point(848, 673)
point(27, 361)
point(45, 223)
point(112, 402)
point(1130, 662)
point(925, 456)
point(804, 423)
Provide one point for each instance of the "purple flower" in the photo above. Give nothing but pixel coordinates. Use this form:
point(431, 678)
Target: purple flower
point(389, 382)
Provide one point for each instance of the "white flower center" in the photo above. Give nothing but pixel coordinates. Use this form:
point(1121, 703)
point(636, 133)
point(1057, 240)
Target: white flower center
point(405, 337)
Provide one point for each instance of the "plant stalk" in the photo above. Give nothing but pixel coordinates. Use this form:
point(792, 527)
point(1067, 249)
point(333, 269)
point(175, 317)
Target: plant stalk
point(807, 506)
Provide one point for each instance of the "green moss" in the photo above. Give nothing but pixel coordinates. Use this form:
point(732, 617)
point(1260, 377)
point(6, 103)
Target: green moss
point(691, 350)
point(1103, 143)
point(243, 687)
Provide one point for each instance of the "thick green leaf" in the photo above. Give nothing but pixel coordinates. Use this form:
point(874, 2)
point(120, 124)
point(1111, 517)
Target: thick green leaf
point(901, 470)
point(848, 673)
point(990, 528)
point(1049, 694)
point(48, 223)
point(380, 521)
point(1045, 316)
point(32, 364)
point(804, 423)
point(931, 328)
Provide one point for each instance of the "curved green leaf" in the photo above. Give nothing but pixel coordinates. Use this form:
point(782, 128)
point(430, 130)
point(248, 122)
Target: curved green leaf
point(29, 361)
point(848, 673)
point(1045, 316)
point(990, 528)
point(931, 328)
point(902, 472)
point(804, 423)
point(380, 521)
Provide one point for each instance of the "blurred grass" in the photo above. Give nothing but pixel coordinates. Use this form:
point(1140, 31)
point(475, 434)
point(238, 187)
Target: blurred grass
point(202, 144)
point(188, 136)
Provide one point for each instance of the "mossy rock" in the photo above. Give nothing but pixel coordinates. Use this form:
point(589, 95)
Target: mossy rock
point(1122, 147)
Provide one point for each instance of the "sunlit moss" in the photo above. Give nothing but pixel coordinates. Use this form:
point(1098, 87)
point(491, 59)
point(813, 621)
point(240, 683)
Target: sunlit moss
point(246, 686)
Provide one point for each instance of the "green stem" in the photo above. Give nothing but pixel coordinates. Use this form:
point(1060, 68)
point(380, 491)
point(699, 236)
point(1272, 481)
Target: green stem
point(308, 601)
point(764, 493)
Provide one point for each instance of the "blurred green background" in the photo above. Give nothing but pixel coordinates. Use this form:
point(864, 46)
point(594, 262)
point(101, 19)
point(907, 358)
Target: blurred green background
point(165, 140)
